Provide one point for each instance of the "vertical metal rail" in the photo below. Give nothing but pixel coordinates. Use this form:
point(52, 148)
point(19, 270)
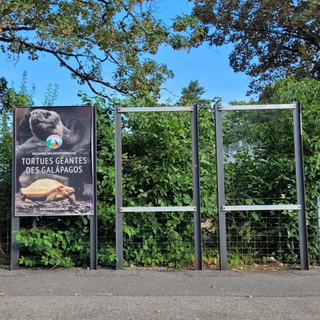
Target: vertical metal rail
point(94, 217)
point(318, 227)
point(34, 222)
point(301, 197)
point(94, 240)
point(15, 226)
point(220, 187)
point(118, 176)
point(15, 222)
point(196, 187)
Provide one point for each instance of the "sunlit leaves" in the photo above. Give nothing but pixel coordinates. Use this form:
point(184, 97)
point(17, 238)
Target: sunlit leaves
point(87, 36)
point(271, 39)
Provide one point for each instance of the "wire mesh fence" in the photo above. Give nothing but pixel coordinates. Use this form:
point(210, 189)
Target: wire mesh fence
point(260, 237)
point(166, 239)
point(160, 239)
point(5, 241)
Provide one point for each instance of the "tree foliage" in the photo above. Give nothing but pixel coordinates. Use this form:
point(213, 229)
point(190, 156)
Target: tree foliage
point(193, 95)
point(10, 98)
point(271, 39)
point(101, 42)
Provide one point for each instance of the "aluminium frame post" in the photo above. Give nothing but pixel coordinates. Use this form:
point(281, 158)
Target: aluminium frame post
point(196, 187)
point(301, 197)
point(94, 217)
point(220, 187)
point(15, 226)
point(118, 176)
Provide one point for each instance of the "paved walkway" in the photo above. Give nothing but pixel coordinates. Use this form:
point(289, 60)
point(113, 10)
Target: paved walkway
point(79, 294)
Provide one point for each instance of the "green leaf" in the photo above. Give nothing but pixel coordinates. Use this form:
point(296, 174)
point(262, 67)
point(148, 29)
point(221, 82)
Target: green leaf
point(255, 216)
point(47, 243)
point(259, 201)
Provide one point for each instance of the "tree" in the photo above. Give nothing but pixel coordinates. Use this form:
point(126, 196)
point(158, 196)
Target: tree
point(191, 94)
point(5, 182)
point(9, 97)
point(271, 38)
point(85, 35)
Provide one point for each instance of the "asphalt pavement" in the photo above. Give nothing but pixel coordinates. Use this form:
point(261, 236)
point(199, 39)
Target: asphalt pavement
point(80, 294)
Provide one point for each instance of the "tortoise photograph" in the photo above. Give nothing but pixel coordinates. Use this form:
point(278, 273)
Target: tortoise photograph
point(48, 196)
point(48, 190)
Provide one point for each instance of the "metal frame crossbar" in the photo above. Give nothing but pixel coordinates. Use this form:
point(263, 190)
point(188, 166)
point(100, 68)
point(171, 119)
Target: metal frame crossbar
point(195, 178)
point(257, 107)
point(262, 207)
point(157, 209)
point(300, 207)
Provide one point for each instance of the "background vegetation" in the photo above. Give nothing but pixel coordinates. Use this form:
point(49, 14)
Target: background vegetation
point(275, 42)
point(157, 171)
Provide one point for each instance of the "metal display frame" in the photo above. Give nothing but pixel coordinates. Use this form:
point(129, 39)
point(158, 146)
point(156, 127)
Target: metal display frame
point(300, 185)
point(15, 221)
point(118, 111)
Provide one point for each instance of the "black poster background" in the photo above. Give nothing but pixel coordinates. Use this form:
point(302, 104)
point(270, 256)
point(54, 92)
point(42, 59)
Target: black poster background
point(53, 161)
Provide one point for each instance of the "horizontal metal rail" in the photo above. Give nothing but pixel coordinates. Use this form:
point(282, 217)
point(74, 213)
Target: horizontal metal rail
point(258, 107)
point(155, 109)
point(156, 209)
point(262, 207)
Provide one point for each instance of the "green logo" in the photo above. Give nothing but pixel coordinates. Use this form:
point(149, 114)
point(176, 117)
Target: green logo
point(54, 141)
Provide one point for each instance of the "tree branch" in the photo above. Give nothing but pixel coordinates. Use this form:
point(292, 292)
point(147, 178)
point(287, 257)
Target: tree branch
point(86, 77)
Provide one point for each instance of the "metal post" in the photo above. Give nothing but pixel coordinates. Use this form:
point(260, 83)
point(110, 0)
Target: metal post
point(34, 222)
point(15, 222)
point(15, 226)
point(318, 226)
point(301, 198)
point(93, 240)
point(118, 165)
point(220, 185)
point(196, 188)
point(94, 217)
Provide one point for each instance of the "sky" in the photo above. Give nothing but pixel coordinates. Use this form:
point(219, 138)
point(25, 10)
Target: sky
point(208, 65)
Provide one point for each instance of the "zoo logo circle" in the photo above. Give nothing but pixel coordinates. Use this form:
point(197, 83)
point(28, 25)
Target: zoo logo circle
point(54, 141)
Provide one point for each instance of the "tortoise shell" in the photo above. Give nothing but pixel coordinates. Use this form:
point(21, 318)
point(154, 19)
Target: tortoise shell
point(41, 188)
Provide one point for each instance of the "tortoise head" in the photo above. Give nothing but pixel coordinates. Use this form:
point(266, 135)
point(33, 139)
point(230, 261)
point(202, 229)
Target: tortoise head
point(67, 191)
point(43, 123)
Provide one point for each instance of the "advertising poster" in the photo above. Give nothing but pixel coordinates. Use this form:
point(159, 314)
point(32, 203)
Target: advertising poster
point(53, 161)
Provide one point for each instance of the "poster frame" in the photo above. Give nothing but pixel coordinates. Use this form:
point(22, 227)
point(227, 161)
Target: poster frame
point(15, 220)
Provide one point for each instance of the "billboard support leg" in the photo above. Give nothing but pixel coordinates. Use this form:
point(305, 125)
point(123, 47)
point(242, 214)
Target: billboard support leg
point(34, 222)
point(15, 226)
point(93, 242)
